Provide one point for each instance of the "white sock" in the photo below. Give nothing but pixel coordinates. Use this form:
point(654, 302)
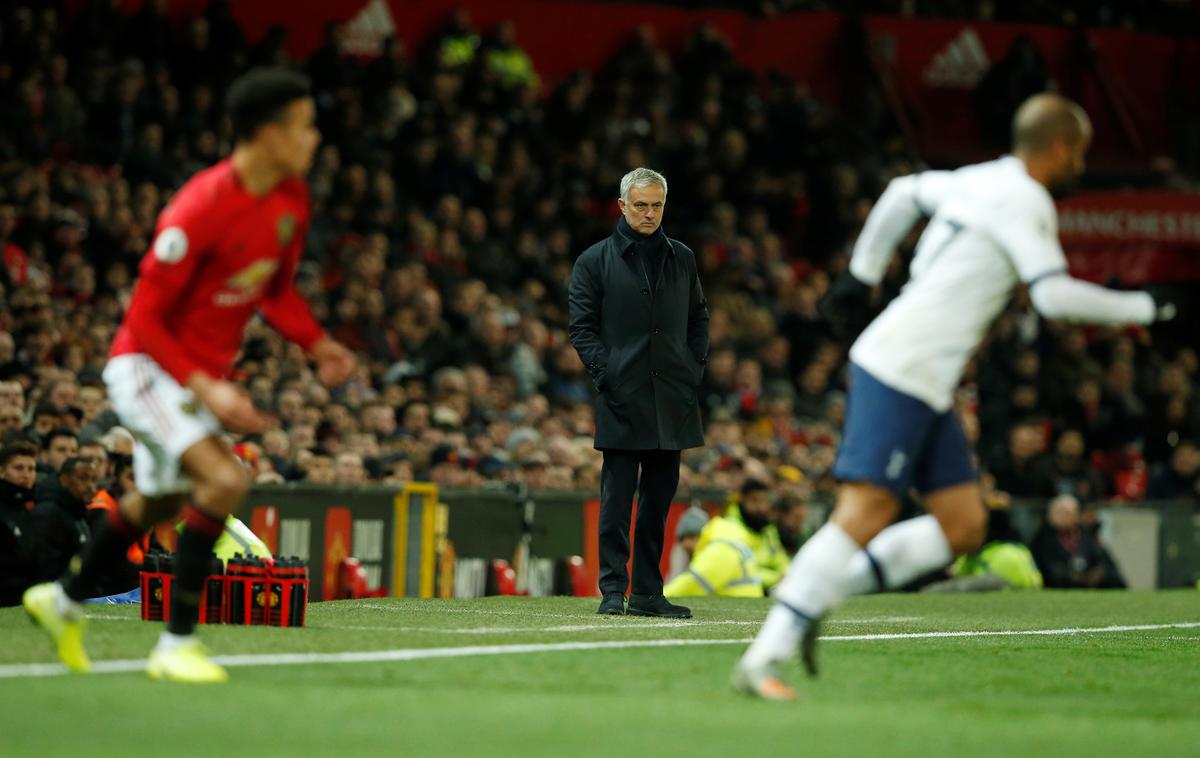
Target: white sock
point(168, 642)
point(66, 607)
point(814, 583)
point(902, 552)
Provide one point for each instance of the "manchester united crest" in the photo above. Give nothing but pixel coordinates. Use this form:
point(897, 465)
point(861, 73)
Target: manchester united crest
point(286, 229)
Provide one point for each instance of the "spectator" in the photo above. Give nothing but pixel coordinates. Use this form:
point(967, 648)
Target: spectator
point(509, 64)
point(277, 447)
point(1068, 472)
point(62, 393)
point(1019, 471)
point(92, 402)
point(95, 453)
point(10, 420)
point(1069, 556)
point(257, 465)
point(46, 419)
point(318, 468)
point(446, 467)
point(57, 446)
point(1169, 421)
point(754, 508)
point(687, 534)
point(61, 517)
point(1180, 478)
point(109, 492)
point(18, 546)
point(771, 178)
point(118, 441)
point(725, 560)
point(791, 520)
point(1016, 77)
point(535, 471)
point(349, 470)
point(12, 395)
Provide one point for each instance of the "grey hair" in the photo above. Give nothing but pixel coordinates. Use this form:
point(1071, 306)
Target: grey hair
point(641, 177)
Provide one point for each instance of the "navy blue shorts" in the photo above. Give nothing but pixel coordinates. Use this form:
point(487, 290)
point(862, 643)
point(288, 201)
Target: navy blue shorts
point(898, 442)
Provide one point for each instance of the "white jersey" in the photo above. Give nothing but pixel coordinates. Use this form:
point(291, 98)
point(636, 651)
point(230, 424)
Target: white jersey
point(991, 226)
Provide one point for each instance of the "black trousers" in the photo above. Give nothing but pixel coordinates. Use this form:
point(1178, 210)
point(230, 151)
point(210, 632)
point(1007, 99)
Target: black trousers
point(655, 490)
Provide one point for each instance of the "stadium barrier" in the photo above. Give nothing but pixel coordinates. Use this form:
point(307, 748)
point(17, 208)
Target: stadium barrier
point(392, 533)
point(419, 541)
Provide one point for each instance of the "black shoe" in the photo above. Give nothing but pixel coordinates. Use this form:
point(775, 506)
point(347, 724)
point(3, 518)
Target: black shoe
point(613, 604)
point(656, 605)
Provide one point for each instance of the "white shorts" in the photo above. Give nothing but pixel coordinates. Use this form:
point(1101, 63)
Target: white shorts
point(165, 418)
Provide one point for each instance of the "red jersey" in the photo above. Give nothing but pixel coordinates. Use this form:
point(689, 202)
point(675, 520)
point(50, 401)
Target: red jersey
point(219, 256)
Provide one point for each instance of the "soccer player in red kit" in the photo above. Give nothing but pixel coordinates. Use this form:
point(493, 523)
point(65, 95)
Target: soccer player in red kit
point(226, 248)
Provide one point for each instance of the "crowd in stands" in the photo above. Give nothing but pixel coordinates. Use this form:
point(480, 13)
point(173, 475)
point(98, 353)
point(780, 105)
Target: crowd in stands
point(1173, 16)
point(451, 196)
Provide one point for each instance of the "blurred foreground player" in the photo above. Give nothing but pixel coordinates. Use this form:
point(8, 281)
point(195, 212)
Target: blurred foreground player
point(991, 226)
point(226, 248)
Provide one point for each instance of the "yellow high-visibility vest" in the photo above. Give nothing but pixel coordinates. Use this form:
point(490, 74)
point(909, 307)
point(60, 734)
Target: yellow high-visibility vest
point(723, 564)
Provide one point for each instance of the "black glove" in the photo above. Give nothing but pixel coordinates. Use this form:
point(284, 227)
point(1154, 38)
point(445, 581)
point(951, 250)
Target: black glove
point(1168, 302)
point(847, 306)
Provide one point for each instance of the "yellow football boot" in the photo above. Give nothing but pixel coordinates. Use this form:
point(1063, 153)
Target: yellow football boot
point(41, 604)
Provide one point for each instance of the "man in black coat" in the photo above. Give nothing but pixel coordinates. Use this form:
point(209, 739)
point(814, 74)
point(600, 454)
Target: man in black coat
point(61, 516)
point(639, 321)
point(18, 567)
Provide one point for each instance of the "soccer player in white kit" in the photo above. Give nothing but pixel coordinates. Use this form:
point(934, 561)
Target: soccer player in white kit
point(992, 226)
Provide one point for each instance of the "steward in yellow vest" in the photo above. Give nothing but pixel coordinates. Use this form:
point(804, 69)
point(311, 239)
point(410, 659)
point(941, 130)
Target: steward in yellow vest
point(739, 554)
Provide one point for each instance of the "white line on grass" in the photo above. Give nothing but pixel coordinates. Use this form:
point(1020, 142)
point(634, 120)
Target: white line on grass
point(1012, 633)
point(24, 670)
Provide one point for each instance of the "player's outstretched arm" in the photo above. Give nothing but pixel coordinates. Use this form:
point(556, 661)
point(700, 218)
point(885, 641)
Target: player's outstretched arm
point(334, 361)
point(288, 312)
point(290, 315)
point(1060, 296)
point(1028, 232)
point(229, 403)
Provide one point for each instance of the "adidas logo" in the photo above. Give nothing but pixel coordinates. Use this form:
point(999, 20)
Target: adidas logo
point(960, 64)
point(364, 34)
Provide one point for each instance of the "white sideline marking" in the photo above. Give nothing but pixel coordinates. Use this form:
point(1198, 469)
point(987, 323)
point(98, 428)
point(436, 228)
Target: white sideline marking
point(19, 670)
point(1013, 632)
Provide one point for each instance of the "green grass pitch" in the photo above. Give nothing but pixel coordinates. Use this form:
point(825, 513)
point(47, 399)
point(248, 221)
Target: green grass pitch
point(1132, 692)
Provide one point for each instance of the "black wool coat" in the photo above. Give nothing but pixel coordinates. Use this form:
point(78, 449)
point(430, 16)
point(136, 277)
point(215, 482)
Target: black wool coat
point(18, 543)
point(61, 523)
point(643, 339)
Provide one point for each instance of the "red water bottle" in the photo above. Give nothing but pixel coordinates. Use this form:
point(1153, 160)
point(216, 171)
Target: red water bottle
point(256, 576)
point(237, 611)
point(212, 595)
